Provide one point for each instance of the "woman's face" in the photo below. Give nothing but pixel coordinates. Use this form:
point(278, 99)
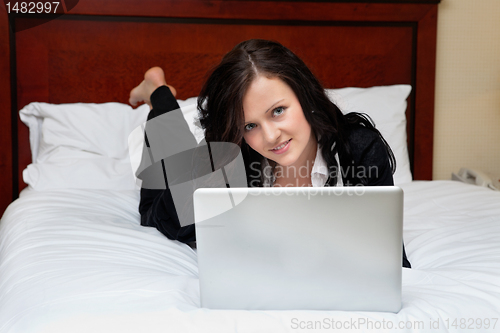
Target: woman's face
point(275, 125)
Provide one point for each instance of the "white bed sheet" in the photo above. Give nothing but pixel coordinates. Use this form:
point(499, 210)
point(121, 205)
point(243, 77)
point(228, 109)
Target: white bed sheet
point(78, 261)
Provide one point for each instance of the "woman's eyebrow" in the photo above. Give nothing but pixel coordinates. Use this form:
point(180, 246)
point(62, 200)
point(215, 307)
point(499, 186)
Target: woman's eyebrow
point(272, 106)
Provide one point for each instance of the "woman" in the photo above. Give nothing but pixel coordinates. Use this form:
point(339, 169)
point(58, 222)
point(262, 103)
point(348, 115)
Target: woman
point(263, 98)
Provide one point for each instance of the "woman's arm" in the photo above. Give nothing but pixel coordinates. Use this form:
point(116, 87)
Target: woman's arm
point(371, 166)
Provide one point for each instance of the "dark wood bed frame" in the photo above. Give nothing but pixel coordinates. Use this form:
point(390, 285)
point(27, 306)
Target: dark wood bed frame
point(98, 50)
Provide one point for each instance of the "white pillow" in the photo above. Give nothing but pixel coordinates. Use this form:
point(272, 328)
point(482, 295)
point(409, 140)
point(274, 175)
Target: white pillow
point(80, 145)
point(87, 145)
point(386, 105)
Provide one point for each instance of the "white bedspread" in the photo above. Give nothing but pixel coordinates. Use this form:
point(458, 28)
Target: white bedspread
point(78, 261)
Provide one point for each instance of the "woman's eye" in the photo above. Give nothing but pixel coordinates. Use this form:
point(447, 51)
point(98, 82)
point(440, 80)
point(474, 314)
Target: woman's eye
point(278, 111)
point(248, 127)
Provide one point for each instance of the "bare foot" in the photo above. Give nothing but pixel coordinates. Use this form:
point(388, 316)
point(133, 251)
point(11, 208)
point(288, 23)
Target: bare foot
point(153, 78)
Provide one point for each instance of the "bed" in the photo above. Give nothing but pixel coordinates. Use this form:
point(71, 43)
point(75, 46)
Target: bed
point(73, 256)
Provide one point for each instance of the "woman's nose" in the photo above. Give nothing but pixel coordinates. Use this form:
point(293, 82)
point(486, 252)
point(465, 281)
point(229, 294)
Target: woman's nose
point(271, 133)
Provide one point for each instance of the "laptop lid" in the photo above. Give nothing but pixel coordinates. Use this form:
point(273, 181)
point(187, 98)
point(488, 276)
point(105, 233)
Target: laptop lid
point(303, 248)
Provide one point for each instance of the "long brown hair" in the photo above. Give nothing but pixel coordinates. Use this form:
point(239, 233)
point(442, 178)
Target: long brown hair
point(220, 102)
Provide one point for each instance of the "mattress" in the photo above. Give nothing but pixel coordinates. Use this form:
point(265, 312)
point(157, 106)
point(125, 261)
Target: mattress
point(79, 261)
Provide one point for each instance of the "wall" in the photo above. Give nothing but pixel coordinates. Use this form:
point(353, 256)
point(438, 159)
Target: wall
point(467, 123)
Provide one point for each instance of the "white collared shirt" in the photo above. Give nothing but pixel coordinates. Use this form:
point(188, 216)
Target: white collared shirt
point(319, 172)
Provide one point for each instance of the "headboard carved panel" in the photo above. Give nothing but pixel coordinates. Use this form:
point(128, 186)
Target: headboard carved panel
point(99, 50)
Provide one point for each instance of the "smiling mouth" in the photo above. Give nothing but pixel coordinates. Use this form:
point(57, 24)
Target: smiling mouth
point(281, 146)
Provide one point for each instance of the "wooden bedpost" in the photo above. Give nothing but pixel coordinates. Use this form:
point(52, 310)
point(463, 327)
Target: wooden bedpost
point(6, 135)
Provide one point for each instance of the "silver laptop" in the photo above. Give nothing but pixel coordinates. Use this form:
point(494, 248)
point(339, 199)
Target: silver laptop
point(328, 248)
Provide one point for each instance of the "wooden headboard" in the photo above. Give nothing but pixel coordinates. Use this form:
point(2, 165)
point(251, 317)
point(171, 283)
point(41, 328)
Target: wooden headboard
point(98, 50)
